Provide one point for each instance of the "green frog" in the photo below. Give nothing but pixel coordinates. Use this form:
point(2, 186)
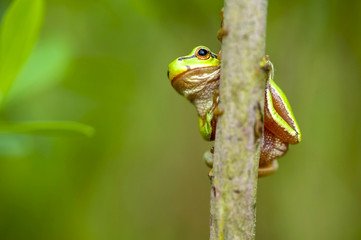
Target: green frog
point(197, 76)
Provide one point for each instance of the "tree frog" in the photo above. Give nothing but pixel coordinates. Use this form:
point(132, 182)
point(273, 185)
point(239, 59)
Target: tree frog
point(196, 77)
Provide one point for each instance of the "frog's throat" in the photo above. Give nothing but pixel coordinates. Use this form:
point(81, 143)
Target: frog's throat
point(198, 86)
point(200, 74)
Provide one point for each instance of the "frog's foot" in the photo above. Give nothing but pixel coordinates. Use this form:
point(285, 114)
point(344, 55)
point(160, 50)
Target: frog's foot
point(266, 63)
point(218, 111)
point(208, 157)
point(267, 67)
point(222, 32)
point(219, 55)
point(268, 169)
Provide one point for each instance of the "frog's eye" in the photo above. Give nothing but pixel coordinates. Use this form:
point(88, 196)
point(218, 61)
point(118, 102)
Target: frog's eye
point(203, 54)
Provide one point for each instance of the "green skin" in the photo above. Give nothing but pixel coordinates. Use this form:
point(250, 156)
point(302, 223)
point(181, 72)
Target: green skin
point(196, 76)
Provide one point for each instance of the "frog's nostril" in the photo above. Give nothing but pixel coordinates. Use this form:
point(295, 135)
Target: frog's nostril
point(168, 73)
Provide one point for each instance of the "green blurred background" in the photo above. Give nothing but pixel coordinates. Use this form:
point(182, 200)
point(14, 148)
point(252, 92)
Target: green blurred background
point(104, 63)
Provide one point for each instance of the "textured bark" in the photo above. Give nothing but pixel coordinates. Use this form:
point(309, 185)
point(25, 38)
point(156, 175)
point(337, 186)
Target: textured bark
point(239, 129)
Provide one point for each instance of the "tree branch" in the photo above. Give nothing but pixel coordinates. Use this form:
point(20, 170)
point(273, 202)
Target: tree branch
point(239, 129)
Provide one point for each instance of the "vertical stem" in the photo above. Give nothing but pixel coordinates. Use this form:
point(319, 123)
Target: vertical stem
point(239, 129)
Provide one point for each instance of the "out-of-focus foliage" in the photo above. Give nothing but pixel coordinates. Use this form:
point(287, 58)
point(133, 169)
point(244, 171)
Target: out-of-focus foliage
point(18, 34)
point(141, 176)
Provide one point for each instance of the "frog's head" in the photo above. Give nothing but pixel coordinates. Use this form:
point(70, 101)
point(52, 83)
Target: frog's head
point(195, 71)
point(200, 57)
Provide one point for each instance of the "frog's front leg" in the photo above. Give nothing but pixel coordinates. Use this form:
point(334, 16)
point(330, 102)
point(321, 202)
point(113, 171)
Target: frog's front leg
point(222, 32)
point(215, 108)
point(214, 111)
point(208, 122)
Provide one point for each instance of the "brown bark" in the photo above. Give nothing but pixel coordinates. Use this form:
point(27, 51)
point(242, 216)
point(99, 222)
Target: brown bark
point(239, 129)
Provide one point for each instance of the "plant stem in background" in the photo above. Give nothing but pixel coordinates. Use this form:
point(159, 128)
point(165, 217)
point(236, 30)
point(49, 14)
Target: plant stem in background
point(239, 129)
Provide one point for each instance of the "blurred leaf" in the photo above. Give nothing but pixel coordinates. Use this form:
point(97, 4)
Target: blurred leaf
point(19, 31)
point(47, 128)
point(44, 68)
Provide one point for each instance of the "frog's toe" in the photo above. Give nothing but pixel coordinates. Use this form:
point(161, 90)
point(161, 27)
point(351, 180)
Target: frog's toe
point(210, 174)
point(267, 169)
point(208, 158)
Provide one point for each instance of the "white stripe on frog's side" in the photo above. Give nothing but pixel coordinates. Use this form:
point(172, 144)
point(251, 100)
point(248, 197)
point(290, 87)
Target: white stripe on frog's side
point(288, 108)
point(276, 117)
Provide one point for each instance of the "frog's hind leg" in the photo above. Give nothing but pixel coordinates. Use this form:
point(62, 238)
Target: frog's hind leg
point(268, 169)
point(272, 149)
